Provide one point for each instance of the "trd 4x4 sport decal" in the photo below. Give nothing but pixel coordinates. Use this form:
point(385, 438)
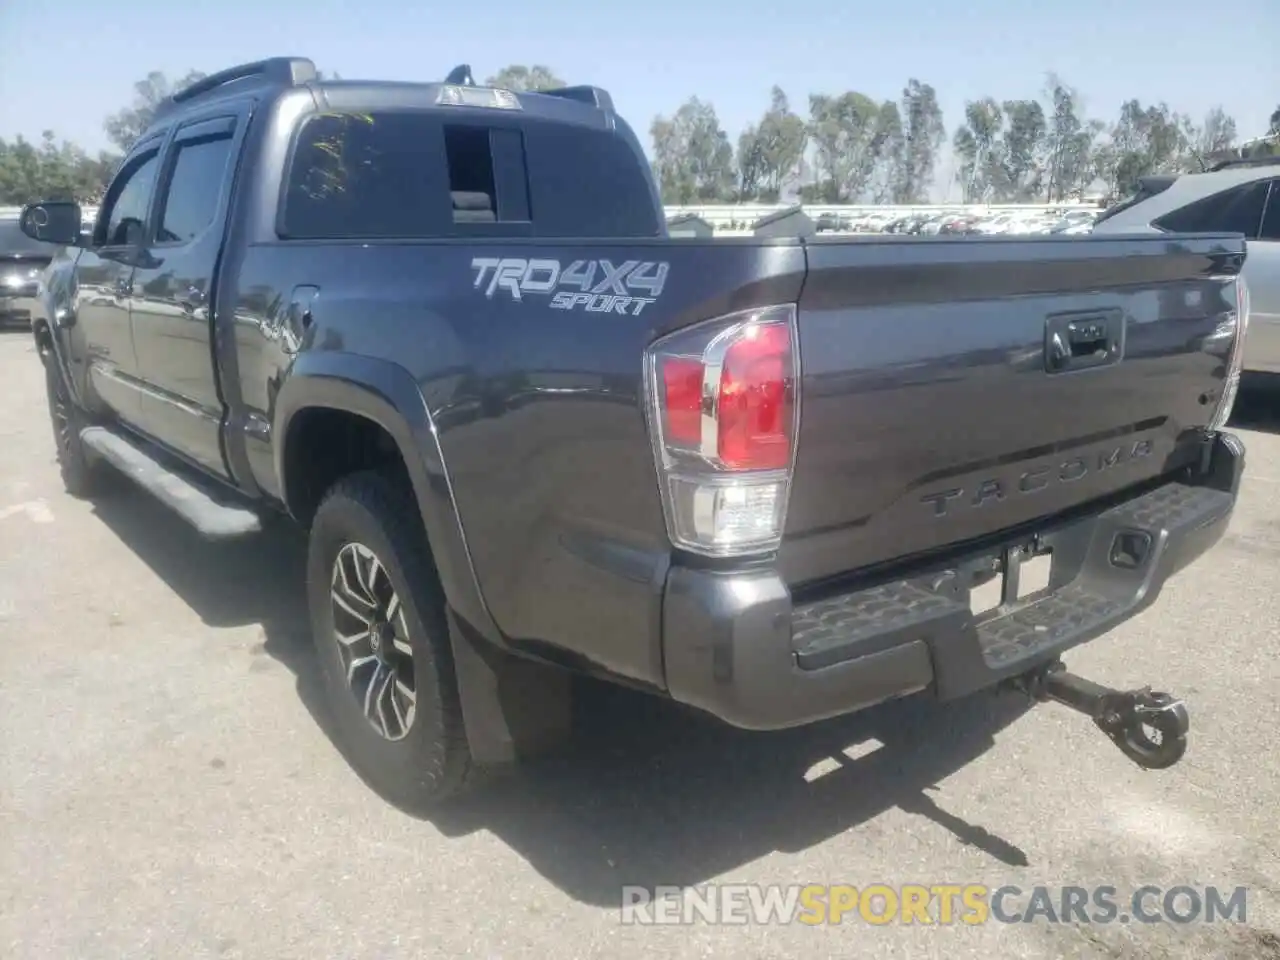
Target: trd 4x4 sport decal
point(597, 286)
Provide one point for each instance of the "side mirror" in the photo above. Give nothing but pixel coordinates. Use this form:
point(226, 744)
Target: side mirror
point(53, 221)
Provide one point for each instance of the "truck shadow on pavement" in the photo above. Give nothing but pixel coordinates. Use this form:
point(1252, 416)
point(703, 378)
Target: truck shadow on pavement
point(1258, 404)
point(648, 793)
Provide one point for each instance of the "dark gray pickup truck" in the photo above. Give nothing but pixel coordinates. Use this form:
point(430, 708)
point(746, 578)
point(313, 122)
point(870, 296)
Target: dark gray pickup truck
point(441, 327)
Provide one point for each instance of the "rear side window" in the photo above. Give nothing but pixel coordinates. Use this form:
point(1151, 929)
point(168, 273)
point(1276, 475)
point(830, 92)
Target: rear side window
point(1238, 210)
point(366, 175)
point(588, 183)
point(423, 174)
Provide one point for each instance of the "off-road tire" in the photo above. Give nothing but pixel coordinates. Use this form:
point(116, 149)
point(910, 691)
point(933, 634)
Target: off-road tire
point(81, 474)
point(432, 762)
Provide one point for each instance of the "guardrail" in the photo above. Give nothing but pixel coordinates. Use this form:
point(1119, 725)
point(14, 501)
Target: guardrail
point(724, 214)
point(862, 209)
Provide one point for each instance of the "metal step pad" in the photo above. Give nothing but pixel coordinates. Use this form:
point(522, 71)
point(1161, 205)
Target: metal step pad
point(1021, 635)
point(838, 628)
point(194, 500)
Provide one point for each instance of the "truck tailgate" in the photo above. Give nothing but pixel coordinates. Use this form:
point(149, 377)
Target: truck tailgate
point(952, 389)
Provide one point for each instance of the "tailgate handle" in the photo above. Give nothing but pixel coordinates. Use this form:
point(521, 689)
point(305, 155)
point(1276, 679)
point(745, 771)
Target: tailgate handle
point(1075, 342)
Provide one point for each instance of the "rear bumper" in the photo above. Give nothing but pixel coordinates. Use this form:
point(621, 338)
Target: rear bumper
point(738, 647)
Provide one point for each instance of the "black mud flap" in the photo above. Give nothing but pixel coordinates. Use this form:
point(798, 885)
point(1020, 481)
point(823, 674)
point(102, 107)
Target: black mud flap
point(1149, 727)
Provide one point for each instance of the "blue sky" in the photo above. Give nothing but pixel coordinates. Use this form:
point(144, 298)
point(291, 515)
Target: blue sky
point(67, 64)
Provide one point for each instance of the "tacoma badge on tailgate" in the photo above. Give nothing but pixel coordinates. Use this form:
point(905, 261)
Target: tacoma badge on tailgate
point(996, 489)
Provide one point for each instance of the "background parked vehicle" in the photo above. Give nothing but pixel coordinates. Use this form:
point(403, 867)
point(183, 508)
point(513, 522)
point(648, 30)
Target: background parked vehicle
point(1241, 196)
point(22, 261)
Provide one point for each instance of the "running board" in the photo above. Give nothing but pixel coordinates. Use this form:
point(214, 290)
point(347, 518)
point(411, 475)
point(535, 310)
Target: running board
point(196, 501)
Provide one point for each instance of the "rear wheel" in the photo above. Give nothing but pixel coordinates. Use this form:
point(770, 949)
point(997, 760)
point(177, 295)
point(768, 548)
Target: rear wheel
point(80, 473)
point(378, 618)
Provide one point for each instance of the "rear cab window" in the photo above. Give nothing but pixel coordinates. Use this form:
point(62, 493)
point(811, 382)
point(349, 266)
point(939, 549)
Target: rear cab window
point(434, 173)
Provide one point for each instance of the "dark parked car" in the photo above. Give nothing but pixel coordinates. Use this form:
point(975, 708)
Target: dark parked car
point(22, 260)
point(833, 222)
point(441, 327)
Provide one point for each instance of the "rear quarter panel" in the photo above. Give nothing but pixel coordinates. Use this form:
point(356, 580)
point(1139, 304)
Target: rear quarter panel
point(539, 411)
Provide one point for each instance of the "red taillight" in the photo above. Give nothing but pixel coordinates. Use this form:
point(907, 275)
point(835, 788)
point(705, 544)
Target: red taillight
point(753, 407)
point(754, 404)
point(682, 398)
point(723, 408)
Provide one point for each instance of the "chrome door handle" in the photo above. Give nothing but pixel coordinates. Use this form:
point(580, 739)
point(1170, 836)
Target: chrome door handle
point(297, 317)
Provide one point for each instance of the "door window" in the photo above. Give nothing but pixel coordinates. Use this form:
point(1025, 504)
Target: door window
point(124, 219)
point(191, 203)
point(1271, 220)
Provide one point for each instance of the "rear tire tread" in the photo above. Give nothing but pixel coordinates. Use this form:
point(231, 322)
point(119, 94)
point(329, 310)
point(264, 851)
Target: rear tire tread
point(419, 773)
point(81, 474)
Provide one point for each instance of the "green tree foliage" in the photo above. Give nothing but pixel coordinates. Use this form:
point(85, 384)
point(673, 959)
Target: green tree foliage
point(521, 78)
point(842, 129)
point(770, 152)
point(693, 159)
point(922, 135)
point(51, 170)
point(850, 147)
point(1069, 144)
point(977, 147)
point(1268, 145)
point(124, 127)
point(1210, 141)
point(1145, 140)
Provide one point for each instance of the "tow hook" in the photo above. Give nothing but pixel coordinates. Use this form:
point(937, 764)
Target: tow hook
point(1128, 717)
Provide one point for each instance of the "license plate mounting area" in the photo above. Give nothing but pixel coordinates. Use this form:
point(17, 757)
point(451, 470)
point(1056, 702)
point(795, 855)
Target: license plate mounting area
point(1013, 576)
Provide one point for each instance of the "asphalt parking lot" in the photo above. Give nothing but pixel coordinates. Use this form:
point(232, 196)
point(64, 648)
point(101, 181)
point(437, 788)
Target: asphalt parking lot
point(168, 789)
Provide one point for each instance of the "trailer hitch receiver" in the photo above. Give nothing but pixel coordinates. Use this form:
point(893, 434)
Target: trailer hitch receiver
point(1149, 727)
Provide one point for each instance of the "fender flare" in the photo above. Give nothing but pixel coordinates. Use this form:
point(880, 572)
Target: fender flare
point(386, 394)
point(50, 324)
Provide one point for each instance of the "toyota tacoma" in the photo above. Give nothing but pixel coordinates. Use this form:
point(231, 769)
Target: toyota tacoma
point(441, 328)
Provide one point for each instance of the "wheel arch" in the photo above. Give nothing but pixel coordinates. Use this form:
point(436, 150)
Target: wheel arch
point(380, 405)
point(510, 704)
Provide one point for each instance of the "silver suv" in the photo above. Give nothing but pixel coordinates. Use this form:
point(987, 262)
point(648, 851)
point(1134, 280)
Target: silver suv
point(1241, 196)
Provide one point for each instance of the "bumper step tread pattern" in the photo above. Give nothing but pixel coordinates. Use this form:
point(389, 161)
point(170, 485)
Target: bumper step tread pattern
point(1043, 624)
point(831, 630)
point(1173, 505)
point(835, 622)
